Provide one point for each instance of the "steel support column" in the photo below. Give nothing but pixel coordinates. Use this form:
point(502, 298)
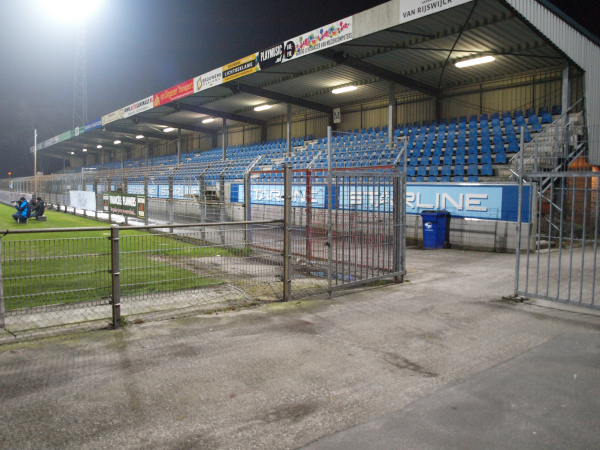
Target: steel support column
point(224, 139)
point(287, 221)
point(289, 129)
point(393, 112)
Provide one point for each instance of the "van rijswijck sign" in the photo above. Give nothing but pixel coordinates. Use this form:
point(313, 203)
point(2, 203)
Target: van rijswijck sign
point(415, 9)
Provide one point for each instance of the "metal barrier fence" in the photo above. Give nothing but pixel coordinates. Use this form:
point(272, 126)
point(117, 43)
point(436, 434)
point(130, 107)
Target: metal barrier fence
point(89, 278)
point(559, 263)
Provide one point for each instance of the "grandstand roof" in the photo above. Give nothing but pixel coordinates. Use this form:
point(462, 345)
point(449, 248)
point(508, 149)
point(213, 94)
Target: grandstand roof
point(401, 41)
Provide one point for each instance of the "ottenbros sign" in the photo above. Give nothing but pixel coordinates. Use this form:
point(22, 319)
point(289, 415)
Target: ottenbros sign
point(477, 201)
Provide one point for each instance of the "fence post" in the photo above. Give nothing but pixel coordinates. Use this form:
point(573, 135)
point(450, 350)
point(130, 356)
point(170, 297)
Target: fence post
point(170, 202)
point(329, 211)
point(398, 232)
point(108, 193)
point(287, 213)
point(222, 211)
point(115, 273)
point(2, 311)
point(146, 197)
point(519, 212)
point(247, 207)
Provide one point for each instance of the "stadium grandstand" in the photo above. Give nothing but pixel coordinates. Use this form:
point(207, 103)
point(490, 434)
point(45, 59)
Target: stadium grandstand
point(448, 92)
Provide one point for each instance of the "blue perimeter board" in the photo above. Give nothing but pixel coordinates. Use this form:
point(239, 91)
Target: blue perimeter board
point(465, 200)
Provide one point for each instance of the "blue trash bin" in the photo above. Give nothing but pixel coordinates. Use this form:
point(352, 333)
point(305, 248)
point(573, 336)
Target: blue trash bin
point(434, 229)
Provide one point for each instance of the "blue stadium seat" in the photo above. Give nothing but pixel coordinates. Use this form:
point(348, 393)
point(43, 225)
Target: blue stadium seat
point(487, 169)
point(414, 161)
point(446, 170)
point(459, 169)
point(434, 170)
point(419, 179)
point(499, 148)
point(530, 112)
point(410, 171)
point(513, 147)
point(422, 171)
point(459, 178)
point(436, 160)
point(460, 159)
point(500, 158)
point(432, 179)
point(473, 179)
point(460, 150)
point(473, 159)
point(472, 169)
point(444, 179)
point(486, 158)
point(447, 159)
point(486, 147)
point(556, 110)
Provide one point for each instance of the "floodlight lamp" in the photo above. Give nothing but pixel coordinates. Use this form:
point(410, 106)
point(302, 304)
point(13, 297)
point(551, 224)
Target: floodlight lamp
point(70, 10)
point(344, 89)
point(475, 61)
point(98, 146)
point(84, 150)
point(209, 120)
point(262, 107)
point(168, 129)
point(72, 153)
point(139, 136)
point(117, 142)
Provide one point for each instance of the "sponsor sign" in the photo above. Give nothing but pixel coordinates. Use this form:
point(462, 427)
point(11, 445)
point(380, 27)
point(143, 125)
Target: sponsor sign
point(79, 130)
point(82, 200)
point(139, 106)
point(240, 68)
point(180, 191)
point(66, 135)
point(324, 37)
point(208, 80)
point(111, 117)
point(415, 9)
point(93, 125)
point(174, 93)
point(474, 201)
point(124, 204)
point(271, 56)
point(337, 115)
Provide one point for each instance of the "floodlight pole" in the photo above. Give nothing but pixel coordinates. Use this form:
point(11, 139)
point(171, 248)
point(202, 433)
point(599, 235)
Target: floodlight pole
point(35, 162)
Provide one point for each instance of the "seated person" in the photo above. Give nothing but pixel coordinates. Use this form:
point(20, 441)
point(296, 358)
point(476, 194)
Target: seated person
point(39, 208)
point(23, 210)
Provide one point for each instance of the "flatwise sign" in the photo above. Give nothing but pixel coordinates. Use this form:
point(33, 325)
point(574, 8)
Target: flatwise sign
point(124, 204)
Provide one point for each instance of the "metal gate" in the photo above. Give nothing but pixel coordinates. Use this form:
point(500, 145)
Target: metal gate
point(560, 247)
point(347, 228)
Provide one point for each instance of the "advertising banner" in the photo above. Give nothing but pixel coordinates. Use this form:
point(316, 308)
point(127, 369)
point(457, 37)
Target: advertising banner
point(139, 106)
point(79, 130)
point(415, 9)
point(271, 56)
point(324, 37)
point(180, 191)
point(208, 80)
point(93, 125)
point(174, 93)
point(82, 200)
point(66, 135)
point(125, 204)
point(111, 117)
point(474, 201)
point(240, 68)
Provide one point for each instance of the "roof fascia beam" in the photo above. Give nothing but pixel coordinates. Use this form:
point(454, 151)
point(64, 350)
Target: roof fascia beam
point(371, 69)
point(221, 114)
point(283, 98)
point(175, 125)
point(121, 130)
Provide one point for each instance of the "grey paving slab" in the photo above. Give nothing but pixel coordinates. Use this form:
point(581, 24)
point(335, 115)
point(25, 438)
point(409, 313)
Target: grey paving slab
point(548, 397)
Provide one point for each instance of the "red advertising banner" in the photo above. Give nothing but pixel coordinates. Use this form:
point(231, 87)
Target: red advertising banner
point(174, 93)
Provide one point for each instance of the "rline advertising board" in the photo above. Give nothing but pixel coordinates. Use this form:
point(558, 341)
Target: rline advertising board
point(415, 9)
point(139, 106)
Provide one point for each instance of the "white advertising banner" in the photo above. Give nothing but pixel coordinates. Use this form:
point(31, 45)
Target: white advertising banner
point(111, 117)
point(139, 106)
point(415, 9)
point(82, 200)
point(323, 37)
point(208, 80)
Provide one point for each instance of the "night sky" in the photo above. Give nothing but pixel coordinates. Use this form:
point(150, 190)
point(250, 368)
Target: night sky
point(136, 48)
